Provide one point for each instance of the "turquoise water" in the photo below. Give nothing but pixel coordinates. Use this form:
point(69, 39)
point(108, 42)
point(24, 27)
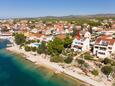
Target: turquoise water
point(16, 71)
point(37, 44)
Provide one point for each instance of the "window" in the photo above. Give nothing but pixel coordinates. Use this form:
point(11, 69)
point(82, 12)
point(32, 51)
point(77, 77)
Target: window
point(101, 53)
point(75, 42)
point(110, 48)
point(104, 43)
point(102, 48)
point(96, 47)
point(81, 43)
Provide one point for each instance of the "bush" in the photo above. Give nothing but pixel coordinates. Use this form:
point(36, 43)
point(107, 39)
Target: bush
point(107, 61)
point(33, 49)
point(55, 47)
point(87, 56)
point(13, 34)
point(40, 51)
point(95, 72)
point(107, 70)
point(27, 48)
point(38, 41)
point(56, 59)
point(28, 42)
point(113, 63)
point(68, 60)
point(81, 62)
point(42, 48)
point(32, 41)
point(85, 65)
point(19, 38)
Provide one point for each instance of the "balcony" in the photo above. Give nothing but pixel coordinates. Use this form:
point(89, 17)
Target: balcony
point(103, 48)
point(101, 53)
point(104, 43)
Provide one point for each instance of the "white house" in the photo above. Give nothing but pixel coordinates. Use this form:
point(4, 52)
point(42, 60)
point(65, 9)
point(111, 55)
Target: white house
point(82, 44)
point(34, 30)
point(104, 46)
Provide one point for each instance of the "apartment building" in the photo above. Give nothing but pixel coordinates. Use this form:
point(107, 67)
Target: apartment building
point(81, 43)
point(104, 46)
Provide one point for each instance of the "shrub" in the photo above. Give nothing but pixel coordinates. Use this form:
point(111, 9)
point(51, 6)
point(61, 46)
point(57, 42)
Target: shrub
point(81, 62)
point(38, 41)
point(113, 63)
point(32, 41)
point(107, 61)
point(68, 60)
point(28, 42)
point(40, 51)
point(19, 38)
point(56, 46)
point(56, 59)
point(27, 48)
point(42, 48)
point(95, 72)
point(33, 49)
point(87, 56)
point(85, 65)
point(107, 70)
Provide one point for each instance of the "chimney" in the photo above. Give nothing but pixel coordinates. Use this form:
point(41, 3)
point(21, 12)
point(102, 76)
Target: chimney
point(78, 35)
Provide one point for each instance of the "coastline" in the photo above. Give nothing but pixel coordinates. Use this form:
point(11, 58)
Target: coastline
point(68, 78)
point(39, 60)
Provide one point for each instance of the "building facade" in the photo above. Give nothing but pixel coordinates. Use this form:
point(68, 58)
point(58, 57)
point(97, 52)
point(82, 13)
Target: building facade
point(81, 43)
point(104, 46)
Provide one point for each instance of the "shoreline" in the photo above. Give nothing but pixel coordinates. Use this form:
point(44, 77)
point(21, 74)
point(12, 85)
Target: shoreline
point(69, 77)
point(39, 60)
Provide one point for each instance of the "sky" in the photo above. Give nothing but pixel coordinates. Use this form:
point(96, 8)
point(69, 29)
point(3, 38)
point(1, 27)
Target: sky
point(37, 8)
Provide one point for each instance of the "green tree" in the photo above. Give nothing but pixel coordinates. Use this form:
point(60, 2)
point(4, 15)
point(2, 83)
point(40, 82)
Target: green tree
point(91, 23)
point(57, 59)
point(87, 56)
point(68, 60)
point(107, 70)
point(38, 41)
point(74, 32)
point(19, 38)
point(55, 47)
point(67, 42)
point(107, 61)
point(32, 41)
point(95, 72)
point(13, 34)
point(33, 49)
point(28, 42)
point(27, 48)
point(42, 48)
point(81, 62)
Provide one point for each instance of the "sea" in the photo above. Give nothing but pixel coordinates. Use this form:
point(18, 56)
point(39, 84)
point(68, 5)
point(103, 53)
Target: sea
point(17, 71)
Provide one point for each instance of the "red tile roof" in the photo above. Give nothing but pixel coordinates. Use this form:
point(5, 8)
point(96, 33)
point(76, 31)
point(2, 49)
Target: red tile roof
point(36, 34)
point(108, 39)
point(62, 36)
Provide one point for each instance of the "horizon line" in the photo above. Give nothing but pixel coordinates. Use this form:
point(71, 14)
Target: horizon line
point(20, 17)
